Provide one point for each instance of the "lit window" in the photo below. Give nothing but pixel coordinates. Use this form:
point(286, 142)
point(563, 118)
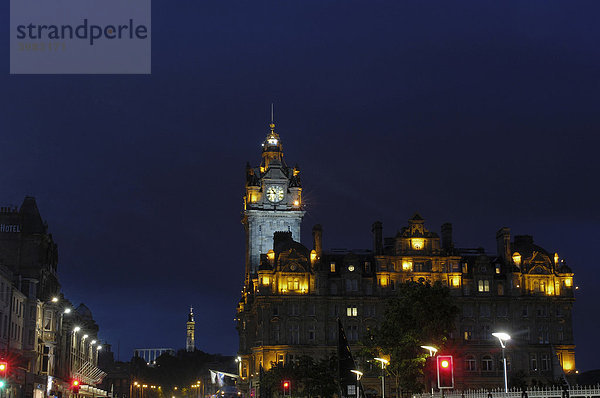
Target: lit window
point(517, 259)
point(351, 311)
point(418, 244)
point(332, 267)
point(406, 265)
point(468, 334)
point(568, 282)
point(498, 269)
point(486, 286)
point(265, 281)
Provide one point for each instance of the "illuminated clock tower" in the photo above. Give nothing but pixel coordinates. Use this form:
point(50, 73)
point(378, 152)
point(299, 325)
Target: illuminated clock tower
point(272, 203)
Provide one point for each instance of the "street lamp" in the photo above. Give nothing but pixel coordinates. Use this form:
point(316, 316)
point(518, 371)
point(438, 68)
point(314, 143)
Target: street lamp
point(432, 351)
point(383, 362)
point(358, 374)
point(503, 337)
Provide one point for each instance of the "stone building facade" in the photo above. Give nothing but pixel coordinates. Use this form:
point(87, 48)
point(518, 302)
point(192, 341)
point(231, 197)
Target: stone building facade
point(293, 295)
point(37, 324)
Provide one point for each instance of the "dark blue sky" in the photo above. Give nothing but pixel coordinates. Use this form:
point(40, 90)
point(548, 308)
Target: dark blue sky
point(482, 113)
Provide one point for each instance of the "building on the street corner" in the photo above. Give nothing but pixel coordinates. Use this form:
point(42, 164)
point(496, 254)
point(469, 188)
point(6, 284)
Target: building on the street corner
point(37, 324)
point(293, 294)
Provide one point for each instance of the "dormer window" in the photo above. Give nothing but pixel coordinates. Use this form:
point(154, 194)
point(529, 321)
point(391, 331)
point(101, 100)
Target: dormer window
point(516, 259)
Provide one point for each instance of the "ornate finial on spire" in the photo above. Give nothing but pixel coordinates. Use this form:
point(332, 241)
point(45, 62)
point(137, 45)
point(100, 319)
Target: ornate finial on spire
point(272, 124)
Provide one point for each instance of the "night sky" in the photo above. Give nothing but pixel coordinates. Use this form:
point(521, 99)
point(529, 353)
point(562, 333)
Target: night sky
point(483, 114)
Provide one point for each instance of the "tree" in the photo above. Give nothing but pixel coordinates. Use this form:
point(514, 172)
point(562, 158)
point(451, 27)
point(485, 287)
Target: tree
point(308, 378)
point(419, 314)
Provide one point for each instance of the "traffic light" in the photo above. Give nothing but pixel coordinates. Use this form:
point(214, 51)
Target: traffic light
point(3, 374)
point(75, 386)
point(287, 386)
point(445, 371)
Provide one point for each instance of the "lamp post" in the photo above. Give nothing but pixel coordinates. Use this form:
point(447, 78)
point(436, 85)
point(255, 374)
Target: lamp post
point(432, 351)
point(358, 374)
point(503, 337)
point(383, 362)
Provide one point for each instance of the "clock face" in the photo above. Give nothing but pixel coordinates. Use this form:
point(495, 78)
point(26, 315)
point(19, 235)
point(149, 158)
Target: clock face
point(275, 193)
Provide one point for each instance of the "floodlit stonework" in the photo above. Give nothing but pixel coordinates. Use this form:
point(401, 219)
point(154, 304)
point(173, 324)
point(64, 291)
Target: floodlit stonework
point(294, 294)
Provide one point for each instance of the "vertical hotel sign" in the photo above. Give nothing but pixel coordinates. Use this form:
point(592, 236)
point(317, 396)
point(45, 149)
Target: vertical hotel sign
point(80, 37)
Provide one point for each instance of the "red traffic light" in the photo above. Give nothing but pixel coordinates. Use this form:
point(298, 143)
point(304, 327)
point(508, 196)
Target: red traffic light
point(286, 384)
point(445, 371)
point(286, 387)
point(75, 383)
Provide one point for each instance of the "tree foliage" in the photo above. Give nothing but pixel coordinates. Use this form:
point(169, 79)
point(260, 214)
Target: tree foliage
point(308, 377)
point(420, 314)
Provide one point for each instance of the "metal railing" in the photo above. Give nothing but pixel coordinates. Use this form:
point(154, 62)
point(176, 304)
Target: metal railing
point(531, 392)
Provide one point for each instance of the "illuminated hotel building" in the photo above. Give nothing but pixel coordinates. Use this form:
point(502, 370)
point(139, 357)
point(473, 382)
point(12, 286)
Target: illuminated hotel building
point(293, 295)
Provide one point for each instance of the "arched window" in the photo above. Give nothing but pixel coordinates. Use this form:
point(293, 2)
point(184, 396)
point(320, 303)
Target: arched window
point(486, 363)
point(470, 363)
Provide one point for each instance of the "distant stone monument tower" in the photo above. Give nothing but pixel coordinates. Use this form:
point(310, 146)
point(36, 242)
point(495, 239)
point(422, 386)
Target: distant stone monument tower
point(190, 346)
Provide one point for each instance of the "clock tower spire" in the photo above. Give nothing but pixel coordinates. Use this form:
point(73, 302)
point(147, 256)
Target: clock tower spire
point(272, 203)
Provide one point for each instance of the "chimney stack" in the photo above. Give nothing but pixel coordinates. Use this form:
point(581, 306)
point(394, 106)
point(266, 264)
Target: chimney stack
point(317, 233)
point(447, 243)
point(377, 230)
point(503, 243)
